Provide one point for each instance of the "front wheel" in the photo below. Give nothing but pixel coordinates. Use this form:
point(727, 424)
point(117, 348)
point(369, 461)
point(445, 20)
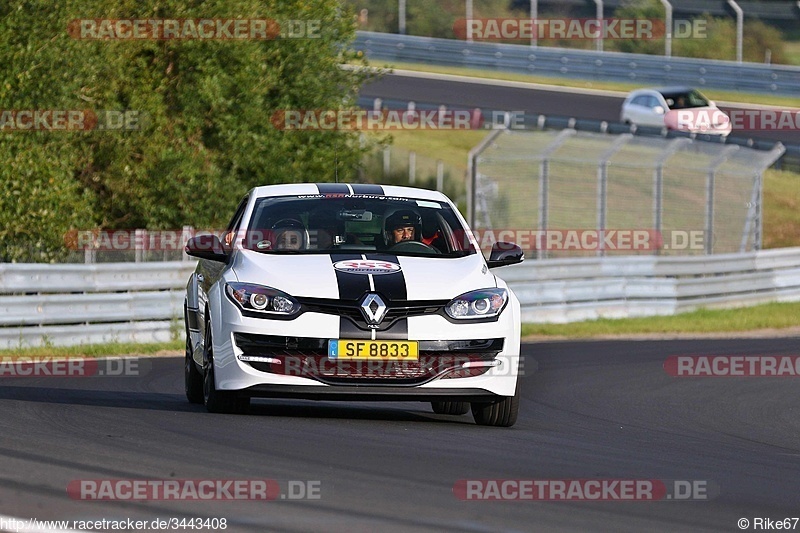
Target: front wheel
point(217, 401)
point(499, 413)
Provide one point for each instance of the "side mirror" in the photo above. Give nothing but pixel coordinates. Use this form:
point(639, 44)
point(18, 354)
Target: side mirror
point(206, 247)
point(504, 254)
point(658, 110)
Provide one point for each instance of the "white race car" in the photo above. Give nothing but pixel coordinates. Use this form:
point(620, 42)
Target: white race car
point(352, 292)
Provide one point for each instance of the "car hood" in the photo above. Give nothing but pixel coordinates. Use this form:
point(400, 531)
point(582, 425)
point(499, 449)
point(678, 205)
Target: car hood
point(342, 276)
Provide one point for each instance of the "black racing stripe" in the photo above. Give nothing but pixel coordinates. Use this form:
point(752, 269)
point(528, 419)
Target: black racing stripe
point(351, 287)
point(348, 330)
point(333, 188)
point(398, 331)
point(367, 188)
point(390, 286)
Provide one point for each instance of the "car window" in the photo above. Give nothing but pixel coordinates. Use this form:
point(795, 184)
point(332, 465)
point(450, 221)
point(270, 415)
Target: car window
point(686, 99)
point(642, 100)
point(235, 222)
point(321, 224)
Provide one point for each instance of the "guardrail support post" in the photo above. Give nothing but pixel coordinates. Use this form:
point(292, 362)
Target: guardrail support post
point(401, 17)
point(534, 15)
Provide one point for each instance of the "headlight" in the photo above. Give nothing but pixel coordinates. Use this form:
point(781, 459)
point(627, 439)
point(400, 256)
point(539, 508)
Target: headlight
point(484, 303)
point(259, 299)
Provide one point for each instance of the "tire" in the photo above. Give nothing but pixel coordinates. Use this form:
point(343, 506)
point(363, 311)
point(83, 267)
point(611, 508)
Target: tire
point(450, 408)
point(193, 379)
point(217, 401)
point(500, 413)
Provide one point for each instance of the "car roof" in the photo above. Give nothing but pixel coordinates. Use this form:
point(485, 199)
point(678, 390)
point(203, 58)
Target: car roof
point(288, 189)
point(672, 89)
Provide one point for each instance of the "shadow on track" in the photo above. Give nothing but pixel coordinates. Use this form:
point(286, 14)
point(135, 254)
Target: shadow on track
point(156, 401)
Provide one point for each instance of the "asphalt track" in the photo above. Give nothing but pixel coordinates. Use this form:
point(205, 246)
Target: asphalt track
point(596, 410)
point(529, 100)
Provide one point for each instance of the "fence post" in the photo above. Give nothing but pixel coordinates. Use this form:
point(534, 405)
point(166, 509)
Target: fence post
point(602, 187)
point(658, 184)
point(387, 158)
point(544, 184)
point(412, 167)
point(186, 234)
point(439, 175)
point(472, 173)
point(723, 156)
point(139, 238)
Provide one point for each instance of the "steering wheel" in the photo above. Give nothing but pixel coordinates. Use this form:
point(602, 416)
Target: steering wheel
point(413, 246)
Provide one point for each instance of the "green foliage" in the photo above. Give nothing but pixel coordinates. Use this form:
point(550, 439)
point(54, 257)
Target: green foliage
point(718, 43)
point(207, 137)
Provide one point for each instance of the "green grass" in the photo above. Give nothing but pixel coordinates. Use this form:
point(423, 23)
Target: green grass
point(97, 350)
point(766, 316)
point(713, 94)
point(792, 51)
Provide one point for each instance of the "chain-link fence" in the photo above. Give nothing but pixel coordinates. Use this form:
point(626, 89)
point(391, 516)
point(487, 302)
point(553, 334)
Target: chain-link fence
point(569, 193)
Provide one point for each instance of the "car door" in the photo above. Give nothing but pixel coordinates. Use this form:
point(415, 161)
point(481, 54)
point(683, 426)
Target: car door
point(638, 110)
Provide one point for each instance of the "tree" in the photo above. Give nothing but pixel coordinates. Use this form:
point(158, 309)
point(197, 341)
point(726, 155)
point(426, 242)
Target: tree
point(205, 134)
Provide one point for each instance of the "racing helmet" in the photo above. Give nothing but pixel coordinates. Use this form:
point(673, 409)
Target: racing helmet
point(401, 219)
point(284, 229)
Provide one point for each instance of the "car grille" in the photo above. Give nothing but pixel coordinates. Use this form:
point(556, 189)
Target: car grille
point(352, 310)
point(306, 357)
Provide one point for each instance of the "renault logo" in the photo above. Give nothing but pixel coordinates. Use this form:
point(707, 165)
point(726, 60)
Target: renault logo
point(373, 309)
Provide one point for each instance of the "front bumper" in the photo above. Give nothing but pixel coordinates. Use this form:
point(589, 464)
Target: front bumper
point(262, 357)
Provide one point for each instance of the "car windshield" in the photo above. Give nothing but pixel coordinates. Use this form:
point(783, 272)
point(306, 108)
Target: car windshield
point(685, 99)
point(321, 224)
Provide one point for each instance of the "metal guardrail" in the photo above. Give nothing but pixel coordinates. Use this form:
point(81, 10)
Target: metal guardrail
point(73, 304)
point(568, 290)
point(789, 159)
point(112, 308)
point(583, 64)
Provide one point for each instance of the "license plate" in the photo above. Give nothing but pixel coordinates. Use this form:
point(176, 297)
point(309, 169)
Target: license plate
point(343, 349)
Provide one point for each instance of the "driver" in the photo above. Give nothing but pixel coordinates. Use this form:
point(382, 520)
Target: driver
point(403, 225)
point(290, 234)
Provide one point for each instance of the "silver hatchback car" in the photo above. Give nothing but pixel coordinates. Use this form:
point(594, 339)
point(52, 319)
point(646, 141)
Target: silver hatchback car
point(678, 108)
